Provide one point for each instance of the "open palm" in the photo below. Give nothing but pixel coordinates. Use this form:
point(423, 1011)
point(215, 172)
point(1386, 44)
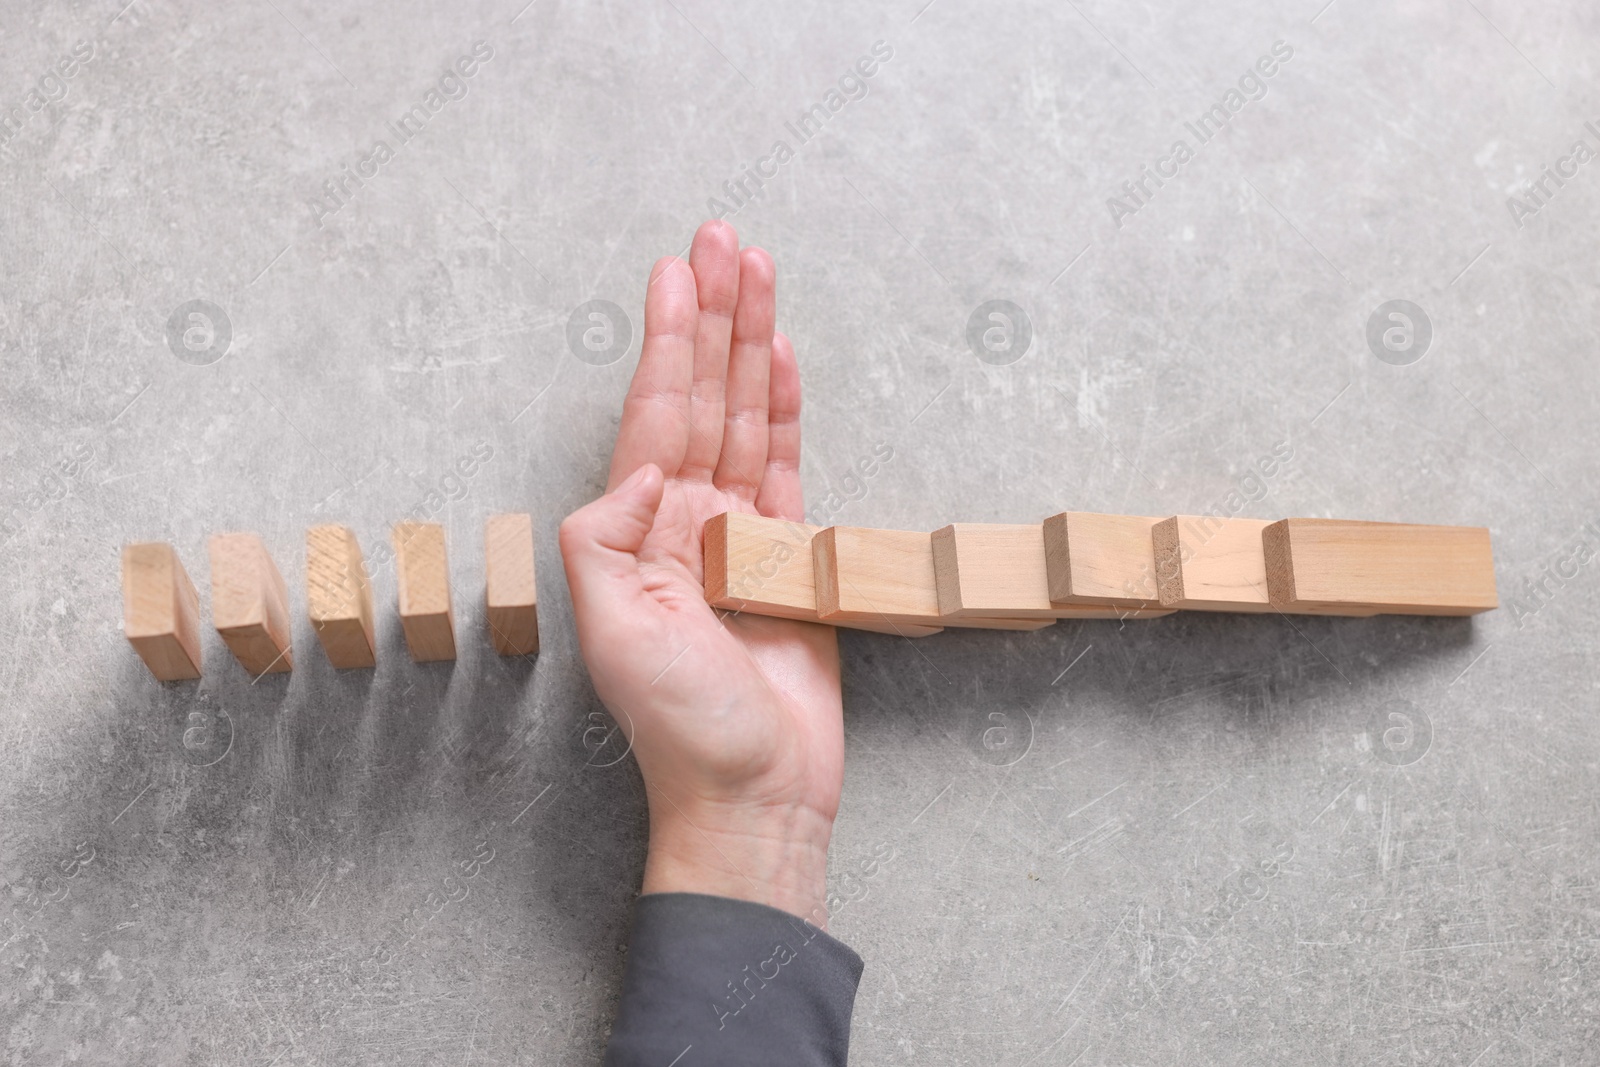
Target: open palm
point(736, 722)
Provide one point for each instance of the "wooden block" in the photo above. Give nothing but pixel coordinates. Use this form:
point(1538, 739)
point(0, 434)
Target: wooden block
point(1348, 567)
point(998, 571)
point(250, 603)
point(979, 623)
point(885, 576)
point(422, 572)
point(760, 565)
point(160, 611)
point(510, 590)
point(764, 566)
point(339, 597)
point(1208, 563)
point(1100, 559)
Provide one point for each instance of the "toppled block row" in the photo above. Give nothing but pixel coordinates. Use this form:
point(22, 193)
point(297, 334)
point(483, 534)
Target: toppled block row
point(1078, 565)
point(250, 601)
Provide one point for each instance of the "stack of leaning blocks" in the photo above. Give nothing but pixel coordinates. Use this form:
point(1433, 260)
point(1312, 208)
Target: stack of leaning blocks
point(250, 601)
point(1079, 565)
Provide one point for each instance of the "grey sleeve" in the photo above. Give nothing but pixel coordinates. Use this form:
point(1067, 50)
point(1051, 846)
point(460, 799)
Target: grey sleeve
point(713, 981)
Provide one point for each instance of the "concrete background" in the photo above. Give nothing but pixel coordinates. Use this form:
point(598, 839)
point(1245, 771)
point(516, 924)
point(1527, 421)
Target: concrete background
point(1197, 840)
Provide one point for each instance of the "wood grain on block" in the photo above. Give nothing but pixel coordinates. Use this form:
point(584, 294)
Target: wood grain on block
point(985, 570)
point(1348, 567)
point(250, 603)
point(1100, 559)
point(1210, 563)
point(422, 573)
point(886, 576)
point(160, 611)
point(339, 597)
point(510, 591)
point(764, 566)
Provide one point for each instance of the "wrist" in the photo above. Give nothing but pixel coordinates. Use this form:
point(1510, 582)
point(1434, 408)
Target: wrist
point(772, 856)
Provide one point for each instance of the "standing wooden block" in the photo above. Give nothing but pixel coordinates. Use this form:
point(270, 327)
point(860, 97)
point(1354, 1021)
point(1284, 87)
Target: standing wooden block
point(1208, 563)
point(339, 597)
point(886, 576)
point(422, 571)
point(160, 611)
point(250, 603)
point(510, 590)
point(998, 571)
point(1346, 567)
point(1100, 559)
point(764, 566)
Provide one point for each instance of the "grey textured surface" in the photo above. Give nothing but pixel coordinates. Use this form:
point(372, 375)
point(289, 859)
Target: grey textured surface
point(1195, 840)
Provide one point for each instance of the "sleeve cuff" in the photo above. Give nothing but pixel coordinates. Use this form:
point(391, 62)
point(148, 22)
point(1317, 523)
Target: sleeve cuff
point(713, 981)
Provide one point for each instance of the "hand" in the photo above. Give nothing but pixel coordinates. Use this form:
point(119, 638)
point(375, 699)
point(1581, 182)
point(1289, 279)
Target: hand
point(736, 722)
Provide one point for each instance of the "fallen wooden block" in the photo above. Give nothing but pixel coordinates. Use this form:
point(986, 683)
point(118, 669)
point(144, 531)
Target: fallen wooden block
point(160, 611)
point(339, 597)
point(886, 576)
point(994, 570)
point(510, 591)
point(1210, 563)
point(764, 566)
point(250, 603)
point(1100, 559)
point(1349, 567)
point(422, 573)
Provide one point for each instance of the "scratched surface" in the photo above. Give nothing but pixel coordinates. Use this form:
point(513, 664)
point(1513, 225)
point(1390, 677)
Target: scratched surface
point(1202, 839)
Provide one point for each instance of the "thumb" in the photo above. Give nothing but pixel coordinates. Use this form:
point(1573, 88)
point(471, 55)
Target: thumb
point(600, 542)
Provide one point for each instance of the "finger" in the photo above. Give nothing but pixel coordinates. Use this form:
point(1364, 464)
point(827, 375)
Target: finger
point(715, 259)
point(655, 415)
point(599, 549)
point(744, 428)
point(780, 496)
